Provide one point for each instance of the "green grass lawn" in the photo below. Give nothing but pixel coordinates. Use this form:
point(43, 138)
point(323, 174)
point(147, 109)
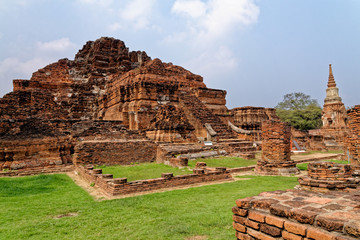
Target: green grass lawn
point(304, 166)
point(29, 204)
point(229, 162)
point(142, 171)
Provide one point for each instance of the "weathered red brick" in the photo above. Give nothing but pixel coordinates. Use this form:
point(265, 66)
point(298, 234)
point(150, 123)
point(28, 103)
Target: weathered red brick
point(243, 203)
point(303, 216)
point(263, 203)
point(259, 235)
point(274, 221)
point(240, 211)
point(341, 237)
point(270, 230)
point(238, 227)
point(280, 210)
point(295, 228)
point(256, 216)
point(242, 236)
point(252, 224)
point(353, 229)
point(319, 234)
point(238, 219)
point(330, 224)
point(289, 236)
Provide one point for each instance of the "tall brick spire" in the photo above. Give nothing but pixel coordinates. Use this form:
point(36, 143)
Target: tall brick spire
point(331, 82)
point(332, 92)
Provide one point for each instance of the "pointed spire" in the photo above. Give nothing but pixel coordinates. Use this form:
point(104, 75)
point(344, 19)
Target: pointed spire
point(331, 82)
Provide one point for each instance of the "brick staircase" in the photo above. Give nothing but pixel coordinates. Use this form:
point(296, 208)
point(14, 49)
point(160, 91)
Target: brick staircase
point(242, 148)
point(196, 110)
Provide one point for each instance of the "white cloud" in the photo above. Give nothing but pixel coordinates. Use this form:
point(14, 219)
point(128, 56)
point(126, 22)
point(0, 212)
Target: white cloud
point(215, 19)
point(58, 45)
point(22, 67)
point(211, 26)
point(193, 8)
point(14, 68)
point(22, 3)
point(213, 63)
point(101, 3)
point(175, 38)
point(115, 27)
point(138, 13)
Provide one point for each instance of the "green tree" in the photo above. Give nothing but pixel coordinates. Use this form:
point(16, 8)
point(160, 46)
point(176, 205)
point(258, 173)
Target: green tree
point(300, 111)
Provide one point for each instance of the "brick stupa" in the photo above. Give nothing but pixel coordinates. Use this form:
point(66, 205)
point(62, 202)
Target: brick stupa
point(334, 116)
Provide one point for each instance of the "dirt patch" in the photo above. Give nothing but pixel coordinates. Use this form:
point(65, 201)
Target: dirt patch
point(70, 214)
point(197, 238)
point(242, 179)
point(94, 191)
point(314, 156)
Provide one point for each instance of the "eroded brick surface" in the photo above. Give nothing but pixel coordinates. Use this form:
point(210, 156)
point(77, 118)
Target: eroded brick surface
point(352, 139)
point(333, 215)
point(329, 176)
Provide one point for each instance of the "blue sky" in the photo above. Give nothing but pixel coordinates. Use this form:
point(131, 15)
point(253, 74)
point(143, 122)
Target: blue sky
point(257, 50)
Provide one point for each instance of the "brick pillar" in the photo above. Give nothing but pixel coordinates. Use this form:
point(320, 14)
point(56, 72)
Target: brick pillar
point(276, 151)
point(352, 140)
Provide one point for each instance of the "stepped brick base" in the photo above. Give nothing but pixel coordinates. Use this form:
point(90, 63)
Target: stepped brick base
point(301, 215)
point(328, 176)
point(282, 169)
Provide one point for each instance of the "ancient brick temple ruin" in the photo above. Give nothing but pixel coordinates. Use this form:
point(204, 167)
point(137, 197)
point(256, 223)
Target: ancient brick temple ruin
point(113, 106)
point(276, 152)
point(251, 118)
point(334, 117)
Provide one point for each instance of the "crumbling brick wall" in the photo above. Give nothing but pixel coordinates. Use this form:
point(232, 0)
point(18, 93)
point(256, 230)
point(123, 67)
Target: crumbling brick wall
point(32, 143)
point(114, 152)
point(251, 119)
point(297, 215)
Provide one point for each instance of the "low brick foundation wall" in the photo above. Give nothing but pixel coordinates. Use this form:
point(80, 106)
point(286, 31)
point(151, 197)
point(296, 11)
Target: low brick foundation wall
point(329, 176)
point(114, 152)
point(38, 170)
point(298, 215)
point(119, 186)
